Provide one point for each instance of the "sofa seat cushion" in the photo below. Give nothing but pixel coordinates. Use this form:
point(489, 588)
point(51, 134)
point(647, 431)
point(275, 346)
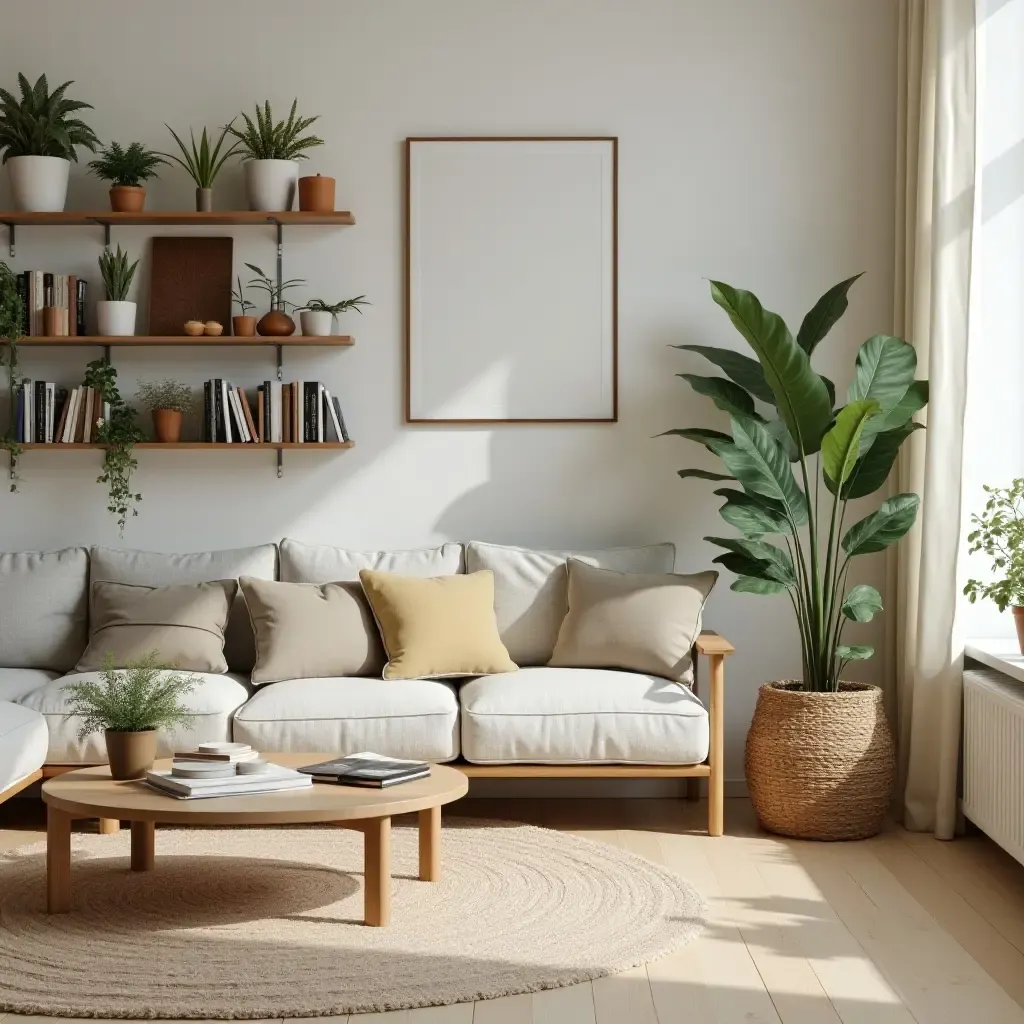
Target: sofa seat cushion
point(581, 716)
point(23, 742)
point(410, 718)
point(213, 702)
point(16, 683)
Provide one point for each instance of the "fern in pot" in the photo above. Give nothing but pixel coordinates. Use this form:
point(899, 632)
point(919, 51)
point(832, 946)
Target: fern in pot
point(819, 757)
point(130, 705)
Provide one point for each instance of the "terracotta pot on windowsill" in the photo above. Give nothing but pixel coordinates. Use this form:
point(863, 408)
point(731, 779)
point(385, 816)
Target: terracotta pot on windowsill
point(167, 425)
point(1018, 621)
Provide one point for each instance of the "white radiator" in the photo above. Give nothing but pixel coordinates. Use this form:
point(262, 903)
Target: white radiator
point(994, 757)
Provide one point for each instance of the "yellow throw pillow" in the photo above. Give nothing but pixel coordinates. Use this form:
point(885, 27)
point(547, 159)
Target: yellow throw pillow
point(436, 627)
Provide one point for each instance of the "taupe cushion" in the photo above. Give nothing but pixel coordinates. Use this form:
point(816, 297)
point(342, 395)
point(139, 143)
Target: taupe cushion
point(321, 563)
point(530, 589)
point(43, 608)
point(156, 569)
point(641, 622)
point(304, 631)
point(183, 624)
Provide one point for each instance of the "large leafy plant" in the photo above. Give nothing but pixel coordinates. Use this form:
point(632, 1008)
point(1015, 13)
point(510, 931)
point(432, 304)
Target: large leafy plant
point(999, 533)
point(263, 139)
point(799, 460)
point(38, 124)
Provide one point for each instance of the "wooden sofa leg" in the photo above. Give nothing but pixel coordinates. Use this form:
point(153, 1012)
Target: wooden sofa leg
point(716, 713)
point(109, 826)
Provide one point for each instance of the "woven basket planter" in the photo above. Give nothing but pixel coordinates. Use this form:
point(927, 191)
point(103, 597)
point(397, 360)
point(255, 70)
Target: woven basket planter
point(820, 765)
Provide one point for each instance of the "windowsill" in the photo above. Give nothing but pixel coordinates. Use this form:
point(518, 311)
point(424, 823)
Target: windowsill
point(1001, 653)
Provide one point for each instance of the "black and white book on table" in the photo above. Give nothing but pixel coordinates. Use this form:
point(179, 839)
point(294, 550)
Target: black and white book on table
point(367, 769)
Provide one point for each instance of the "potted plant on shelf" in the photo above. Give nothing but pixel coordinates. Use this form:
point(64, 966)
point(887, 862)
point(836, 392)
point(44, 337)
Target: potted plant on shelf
point(999, 533)
point(39, 139)
point(244, 325)
point(116, 315)
point(168, 400)
point(318, 317)
point(203, 162)
point(819, 754)
point(130, 705)
point(276, 323)
point(127, 170)
point(271, 153)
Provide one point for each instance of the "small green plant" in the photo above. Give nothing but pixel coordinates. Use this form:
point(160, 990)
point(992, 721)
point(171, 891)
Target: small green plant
point(38, 123)
point(262, 139)
point(164, 394)
point(238, 296)
point(203, 161)
point(138, 698)
point(319, 306)
point(11, 328)
point(118, 433)
point(275, 292)
point(117, 274)
point(129, 167)
point(999, 532)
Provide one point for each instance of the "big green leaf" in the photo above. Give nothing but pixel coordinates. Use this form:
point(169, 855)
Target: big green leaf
point(742, 369)
point(914, 399)
point(758, 461)
point(839, 447)
point(752, 585)
point(752, 514)
point(885, 369)
point(729, 397)
point(752, 568)
point(800, 393)
point(872, 469)
point(821, 319)
point(862, 603)
point(702, 435)
point(777, 565)
point(859, 652)
point(890, 522)
point(703, 474)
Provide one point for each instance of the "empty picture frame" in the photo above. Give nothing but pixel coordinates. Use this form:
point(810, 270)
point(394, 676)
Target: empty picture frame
point(511, 280)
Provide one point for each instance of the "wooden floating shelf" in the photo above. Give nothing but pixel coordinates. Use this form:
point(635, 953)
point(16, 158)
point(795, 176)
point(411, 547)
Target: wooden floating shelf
point(189, 218)
point(203, 341)
point(201, 446)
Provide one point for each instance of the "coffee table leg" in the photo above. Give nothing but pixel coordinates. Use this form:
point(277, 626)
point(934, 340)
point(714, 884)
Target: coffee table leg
point(109, 826)
point(143, 845)
point(58, 861)
point(430, 844)
point(377, 871)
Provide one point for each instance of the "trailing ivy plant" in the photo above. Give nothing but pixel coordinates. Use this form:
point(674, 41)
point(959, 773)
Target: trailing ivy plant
point(782, 416)
point(119, 433)
point(999, 533)
point(11, 329)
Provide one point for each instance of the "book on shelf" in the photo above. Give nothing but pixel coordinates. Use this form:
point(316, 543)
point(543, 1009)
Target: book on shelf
point(367, 769)
point(38, 289)
point(274, 780)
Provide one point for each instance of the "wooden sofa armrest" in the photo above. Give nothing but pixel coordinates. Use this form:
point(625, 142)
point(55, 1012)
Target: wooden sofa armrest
point(715, 648)
point(709, 642)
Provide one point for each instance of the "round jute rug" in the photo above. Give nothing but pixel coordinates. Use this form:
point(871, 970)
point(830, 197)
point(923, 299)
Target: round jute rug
point(264, 923)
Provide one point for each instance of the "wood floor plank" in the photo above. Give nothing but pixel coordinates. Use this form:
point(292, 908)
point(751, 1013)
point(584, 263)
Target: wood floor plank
point(573, 1004)
point(460, 1013)
point(507, 1010)
point(624, 997)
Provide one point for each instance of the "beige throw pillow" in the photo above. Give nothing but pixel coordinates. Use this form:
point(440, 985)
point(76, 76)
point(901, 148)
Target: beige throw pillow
point(635, 621)
point(436, 627)
point(184, 624)
point(304, 631)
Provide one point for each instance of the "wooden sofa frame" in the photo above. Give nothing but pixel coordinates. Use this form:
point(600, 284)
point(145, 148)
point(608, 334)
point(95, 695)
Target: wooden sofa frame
point(709, 644)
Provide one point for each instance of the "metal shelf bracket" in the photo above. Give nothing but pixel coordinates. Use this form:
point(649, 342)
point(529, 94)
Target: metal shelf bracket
point(10, 241)
point(280, 463)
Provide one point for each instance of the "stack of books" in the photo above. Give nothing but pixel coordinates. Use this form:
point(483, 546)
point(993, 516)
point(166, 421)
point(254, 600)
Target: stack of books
point(47, 414)
point(38, 289)
point(367, 769)
point(225, 753)
point(198, 780)
point(299, 412)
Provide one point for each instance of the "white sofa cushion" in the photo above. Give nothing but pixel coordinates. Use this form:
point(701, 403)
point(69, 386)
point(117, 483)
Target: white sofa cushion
point(213, 702)
point(22, 743)
point(156, 569)
point(320, 563)
point(531, 587)
point(581, 716)
point(16, 683)
point(43, 608)
point(411, 718)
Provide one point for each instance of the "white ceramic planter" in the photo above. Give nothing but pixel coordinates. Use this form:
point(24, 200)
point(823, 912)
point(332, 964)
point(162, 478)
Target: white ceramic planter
point(316, 323)
point(39, 183)
point(271, 184)
point(116, 319)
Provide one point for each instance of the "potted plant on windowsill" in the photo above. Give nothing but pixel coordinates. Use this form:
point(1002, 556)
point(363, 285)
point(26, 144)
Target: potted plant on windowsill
point(130, 704)
point(318, 317)
point(38, 140)
point(819, 757)
point(244, 325)
point(116, 315)
point(276, 323)
point(127, 170)
point(271, 153)
point(999, 533)
point(168, 401)
point(203, 162)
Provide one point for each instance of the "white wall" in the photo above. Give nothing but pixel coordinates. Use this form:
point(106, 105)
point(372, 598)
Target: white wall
point(756, 145)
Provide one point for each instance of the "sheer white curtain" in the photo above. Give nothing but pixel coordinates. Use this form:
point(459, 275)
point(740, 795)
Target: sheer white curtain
point(935, 229)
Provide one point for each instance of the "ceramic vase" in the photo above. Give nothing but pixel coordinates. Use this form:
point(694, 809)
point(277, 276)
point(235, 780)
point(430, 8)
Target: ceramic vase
point(115, 319)
point(316, 194)
point(276, 324)
point(39, 183)
point(271, 184)
point(316, 323)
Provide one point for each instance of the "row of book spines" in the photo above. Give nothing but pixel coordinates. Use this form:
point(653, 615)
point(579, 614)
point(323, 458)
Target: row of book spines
point(227, 414)
point(299, 412)
point(65, 292)
point(46, 414)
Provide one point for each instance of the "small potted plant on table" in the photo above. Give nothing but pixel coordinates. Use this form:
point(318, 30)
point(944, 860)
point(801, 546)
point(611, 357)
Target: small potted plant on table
point(130, 705)
point(203, 163)
point(318, 317)
point(168, 401)
point(244, 325)
point(116, 315)
point(127, 170)
point(276, 323)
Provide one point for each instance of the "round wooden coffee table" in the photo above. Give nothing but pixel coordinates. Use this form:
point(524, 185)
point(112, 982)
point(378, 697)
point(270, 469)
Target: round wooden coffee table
point(91, 793)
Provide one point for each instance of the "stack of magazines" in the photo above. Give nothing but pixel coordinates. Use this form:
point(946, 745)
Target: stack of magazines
point(367, 769)
point(193, 780)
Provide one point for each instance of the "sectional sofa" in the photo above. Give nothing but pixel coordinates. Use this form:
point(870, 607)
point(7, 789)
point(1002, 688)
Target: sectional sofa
point(539, 721)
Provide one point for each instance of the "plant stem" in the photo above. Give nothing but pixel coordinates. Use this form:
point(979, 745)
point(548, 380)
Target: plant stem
point(815, 585)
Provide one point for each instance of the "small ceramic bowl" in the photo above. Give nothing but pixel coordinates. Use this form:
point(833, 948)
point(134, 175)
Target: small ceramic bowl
point(194, 328)
point(254, 767)
point(212, 328)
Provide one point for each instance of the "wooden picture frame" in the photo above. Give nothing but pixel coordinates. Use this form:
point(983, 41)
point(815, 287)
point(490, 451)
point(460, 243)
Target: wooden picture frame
point(511, 279)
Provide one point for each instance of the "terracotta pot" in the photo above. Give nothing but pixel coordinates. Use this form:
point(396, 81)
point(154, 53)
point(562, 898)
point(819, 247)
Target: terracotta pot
point(243, 326)
point(316, 194)
point(131, 754)
point(127, 198)
point(276, 324)
point(167, 425)
point(204, 200)
point(1018, 621)
point(820, 765)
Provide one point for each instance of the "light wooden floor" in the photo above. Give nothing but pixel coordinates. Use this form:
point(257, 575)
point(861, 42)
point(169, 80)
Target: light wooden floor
point(894, 930)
